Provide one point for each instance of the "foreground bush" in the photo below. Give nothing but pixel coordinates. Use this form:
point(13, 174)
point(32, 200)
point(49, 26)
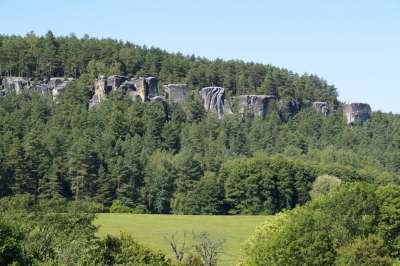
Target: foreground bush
point(358, 224)
point(58, 233)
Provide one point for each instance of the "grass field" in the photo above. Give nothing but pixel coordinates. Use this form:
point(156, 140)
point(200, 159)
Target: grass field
point(150, 230)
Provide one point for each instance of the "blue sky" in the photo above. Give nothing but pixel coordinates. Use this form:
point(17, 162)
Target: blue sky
point(354, 45)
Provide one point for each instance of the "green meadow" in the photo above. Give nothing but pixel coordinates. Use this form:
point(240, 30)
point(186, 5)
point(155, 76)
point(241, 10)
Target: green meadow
point(151, 230)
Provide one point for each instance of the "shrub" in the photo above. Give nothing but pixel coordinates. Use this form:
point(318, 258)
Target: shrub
point(333, 229)
point(118, 207)
point(369, 251)
point(323, 185)
point(10, 244)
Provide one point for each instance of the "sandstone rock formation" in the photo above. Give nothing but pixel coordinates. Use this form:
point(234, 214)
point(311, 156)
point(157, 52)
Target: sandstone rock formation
point(142, 89)
point(256, 105)
point(115, 81)
point(13, 84)
point(57, 85)
point(152, 84)
point(145, 88)
point(357, 111)
point(176, 92)
point(291, 106)
point(53, 86)
point(322, 107)
point(100, 91)
point(214, 101)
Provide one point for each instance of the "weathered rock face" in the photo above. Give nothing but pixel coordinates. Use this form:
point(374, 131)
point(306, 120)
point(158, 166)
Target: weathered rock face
point(115, 81)
point(53, 86)
point(357, 111)
point(145, 88)
point(14, 84)
point(100, 92)
point(289, 106)
point(322, 107)
point(152, 85)
point(256, 105)
point(214, 101)
point(57, 85)
point(142, 88)
point(176, 92)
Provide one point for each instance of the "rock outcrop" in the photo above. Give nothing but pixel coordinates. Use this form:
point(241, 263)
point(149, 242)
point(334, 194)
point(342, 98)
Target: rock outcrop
point(214, 101)
point(322, 107)
point(13, 84)
point(145, 88)
point(114, 82)
point(176, 92)
point(291, 106)
point(357, 111)
point(53, 86)
point(57, 85)
point(254, 105)
point(152, 85)
point(142, 88)
point(100, 91)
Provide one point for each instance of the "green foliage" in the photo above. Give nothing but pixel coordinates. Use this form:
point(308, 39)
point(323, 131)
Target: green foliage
point(163, 157)
point(127, 251)
point(118, 207)
point(323, 185)
point(341, 228)
point(11, 249)
point(56, 232)
point(370, 251)
point(265, 185)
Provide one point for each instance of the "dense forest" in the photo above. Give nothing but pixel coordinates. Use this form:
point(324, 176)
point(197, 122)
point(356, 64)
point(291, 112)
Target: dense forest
point(60, 161)
point(176, 158)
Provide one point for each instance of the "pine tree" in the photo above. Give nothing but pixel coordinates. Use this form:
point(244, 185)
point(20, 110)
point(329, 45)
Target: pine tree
point(80, 172)
point(170, 137)
point(105, 187)
point(36, 161)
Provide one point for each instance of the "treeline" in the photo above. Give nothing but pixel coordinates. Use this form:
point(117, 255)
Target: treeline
point(50, 56)
point(175, 158)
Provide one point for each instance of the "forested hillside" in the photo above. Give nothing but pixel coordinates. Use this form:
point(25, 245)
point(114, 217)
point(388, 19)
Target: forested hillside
point(50, 56)
point(161, 157)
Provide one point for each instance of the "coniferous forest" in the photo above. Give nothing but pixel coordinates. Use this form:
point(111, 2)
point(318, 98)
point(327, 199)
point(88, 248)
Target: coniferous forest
point(175, 158)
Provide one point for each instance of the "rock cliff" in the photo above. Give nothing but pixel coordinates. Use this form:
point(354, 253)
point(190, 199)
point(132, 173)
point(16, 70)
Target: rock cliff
point(57, 85)
point(176, 92)
point(53, 86)
point(145, 88)
point(13, 84)
point(142, 88)
point(322, 107)
point(357, 111)
point(254, 105)
point(214, 101)
point(152, 85)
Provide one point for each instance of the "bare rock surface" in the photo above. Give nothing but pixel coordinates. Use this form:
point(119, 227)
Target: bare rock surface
point(357, 111)
point(176, 92)
point(322, 107)
point(214, 101)
point(254, 105)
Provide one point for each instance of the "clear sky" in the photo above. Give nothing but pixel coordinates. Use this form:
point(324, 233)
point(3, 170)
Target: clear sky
point(354, 45)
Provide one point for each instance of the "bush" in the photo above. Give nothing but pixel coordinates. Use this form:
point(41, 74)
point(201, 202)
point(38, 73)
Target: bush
point(126, 251)
point(85, 206)
point(118, 207)
point(10, 244)
point(370, 251)
point(334, 227)
point(323, 185)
